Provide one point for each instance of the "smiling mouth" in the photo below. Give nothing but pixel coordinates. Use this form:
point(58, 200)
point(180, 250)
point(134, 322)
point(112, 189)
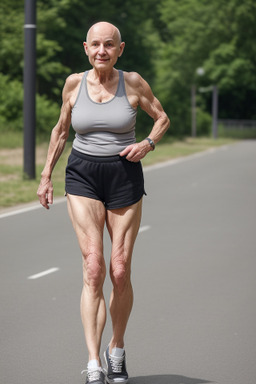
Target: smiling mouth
point(103, 60)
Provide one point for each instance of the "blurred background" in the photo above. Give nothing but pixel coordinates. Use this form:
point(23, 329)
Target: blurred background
point(172, 44)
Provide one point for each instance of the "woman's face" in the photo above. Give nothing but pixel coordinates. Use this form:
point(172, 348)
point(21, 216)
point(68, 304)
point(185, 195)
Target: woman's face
point(103, 46)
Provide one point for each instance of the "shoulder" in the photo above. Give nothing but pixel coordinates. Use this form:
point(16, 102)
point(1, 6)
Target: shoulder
point(71, 87)
point(133, 79)
point(72, 81)
point(135, 84)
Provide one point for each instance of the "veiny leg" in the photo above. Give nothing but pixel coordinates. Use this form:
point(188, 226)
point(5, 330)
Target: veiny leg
point(88, 218)
point(123, 225)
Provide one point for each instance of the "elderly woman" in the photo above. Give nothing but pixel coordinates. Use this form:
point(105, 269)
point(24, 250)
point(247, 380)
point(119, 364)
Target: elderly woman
point(104, 184)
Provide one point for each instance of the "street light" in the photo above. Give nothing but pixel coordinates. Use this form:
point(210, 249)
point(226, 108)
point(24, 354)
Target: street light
point(200, 72)
point(214, 90)
point(215, 112)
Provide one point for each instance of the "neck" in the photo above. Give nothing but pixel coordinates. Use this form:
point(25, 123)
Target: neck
point(103, 76)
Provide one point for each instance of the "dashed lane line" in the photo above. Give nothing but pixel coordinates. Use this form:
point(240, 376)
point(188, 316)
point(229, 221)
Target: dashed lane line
point(44, 273)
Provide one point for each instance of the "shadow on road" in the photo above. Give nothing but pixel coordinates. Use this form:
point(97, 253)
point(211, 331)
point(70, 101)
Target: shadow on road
point(166, 379)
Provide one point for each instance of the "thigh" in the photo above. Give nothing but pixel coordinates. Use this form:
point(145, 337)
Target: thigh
point(88, 218)
point(123, 226)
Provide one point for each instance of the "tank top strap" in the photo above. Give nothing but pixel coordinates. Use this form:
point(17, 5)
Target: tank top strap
point(121, 86)
point(84, 84)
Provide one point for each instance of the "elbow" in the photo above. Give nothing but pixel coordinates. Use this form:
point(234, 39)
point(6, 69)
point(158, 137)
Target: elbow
point(167, 123)
point(61, 132)
point(64, 135)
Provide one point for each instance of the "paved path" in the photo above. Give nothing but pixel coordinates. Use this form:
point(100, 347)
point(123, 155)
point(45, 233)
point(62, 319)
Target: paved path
point(194, 317)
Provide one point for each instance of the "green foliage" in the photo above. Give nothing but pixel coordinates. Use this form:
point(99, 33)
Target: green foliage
point(166, 41)
point(218, 36)
point(47, 113)
point(11, 108)
point(11, 101)
point(203, 122)
point(11, 37)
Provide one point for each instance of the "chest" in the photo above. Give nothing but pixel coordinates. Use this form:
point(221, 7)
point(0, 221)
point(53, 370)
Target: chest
point(102, 93)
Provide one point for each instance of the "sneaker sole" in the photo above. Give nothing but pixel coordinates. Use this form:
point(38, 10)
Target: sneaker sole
point(109, 381)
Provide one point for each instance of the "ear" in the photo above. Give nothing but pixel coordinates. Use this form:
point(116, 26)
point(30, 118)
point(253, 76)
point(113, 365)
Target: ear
point(121, 49)
point(85, 47)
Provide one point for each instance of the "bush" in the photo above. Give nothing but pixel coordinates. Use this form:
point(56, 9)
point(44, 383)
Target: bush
point(203, 123)
point(11, 102)
point(11, 108)
point(47, 114)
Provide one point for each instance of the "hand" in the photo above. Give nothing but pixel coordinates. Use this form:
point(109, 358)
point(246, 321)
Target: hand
point(45, 192)
point(136, 152)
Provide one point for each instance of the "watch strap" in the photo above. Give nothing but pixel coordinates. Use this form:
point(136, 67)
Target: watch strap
point(151, 142)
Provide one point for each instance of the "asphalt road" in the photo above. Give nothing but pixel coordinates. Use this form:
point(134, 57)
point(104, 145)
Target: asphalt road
point(194, 277)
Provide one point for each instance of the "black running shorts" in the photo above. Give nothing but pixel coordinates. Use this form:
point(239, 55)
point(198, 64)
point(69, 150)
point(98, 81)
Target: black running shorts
point(113, 180)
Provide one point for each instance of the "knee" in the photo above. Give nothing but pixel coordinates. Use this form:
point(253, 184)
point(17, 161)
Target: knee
point(120, 274)
point(94, 269)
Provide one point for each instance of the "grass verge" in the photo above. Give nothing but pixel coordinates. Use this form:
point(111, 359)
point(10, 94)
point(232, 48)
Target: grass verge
point(16, 190)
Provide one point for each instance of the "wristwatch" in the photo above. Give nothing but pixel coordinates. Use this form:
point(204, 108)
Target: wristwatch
point(151, 142)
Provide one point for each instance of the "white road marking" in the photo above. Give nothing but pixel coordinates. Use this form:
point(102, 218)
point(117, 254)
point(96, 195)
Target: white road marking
point(144, 228)
point(44, 273)
point(30, 207)
point(17, 211)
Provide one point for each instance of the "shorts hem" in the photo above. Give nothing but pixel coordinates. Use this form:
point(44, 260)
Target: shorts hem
point(83, 195)
point(125, 204)
point(108, 207)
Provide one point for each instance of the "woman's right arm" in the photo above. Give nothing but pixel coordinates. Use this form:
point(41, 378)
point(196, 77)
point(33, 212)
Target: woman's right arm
point(57, 143)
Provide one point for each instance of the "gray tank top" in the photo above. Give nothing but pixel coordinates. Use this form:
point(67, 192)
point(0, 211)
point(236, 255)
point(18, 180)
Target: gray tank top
point(103, 129)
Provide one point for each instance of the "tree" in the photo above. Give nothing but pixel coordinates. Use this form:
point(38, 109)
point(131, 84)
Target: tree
point(166, 41)
point(213, 35)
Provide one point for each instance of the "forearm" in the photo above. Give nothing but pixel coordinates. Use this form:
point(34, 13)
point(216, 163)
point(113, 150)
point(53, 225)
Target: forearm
point(56, 147)
point(160, 126)
point(136, 152)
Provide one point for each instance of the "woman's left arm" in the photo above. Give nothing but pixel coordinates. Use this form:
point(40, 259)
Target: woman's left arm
point(151, 105)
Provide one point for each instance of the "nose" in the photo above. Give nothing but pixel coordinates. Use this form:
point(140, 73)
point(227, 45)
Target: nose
point(101, 49)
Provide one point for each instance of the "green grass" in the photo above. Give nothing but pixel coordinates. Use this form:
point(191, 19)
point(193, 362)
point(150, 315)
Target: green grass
point(15, 189)
point(11, 139)
point(238, 134)
point(179, 148)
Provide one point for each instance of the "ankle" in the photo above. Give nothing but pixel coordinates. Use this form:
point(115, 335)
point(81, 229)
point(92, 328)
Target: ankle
point(93, 363)
point(116, 347)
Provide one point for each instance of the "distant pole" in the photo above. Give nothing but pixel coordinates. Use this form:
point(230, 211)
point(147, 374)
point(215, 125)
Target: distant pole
point(29, 104)
point(215, 112)
point(193, 110)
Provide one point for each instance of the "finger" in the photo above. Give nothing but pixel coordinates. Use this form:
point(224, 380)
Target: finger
point(50, 196)
point(44, 202)
point(132, 155)
point(126, 151)
point(43, 199)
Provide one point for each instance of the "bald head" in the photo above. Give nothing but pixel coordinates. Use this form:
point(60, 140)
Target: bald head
point(106, 28)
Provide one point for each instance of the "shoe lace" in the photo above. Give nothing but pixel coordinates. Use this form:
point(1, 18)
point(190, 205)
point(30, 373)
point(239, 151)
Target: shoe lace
point(116, 363)
point(92, 374)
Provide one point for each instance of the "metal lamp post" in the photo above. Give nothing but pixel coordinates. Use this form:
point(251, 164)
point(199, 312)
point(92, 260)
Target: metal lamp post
point(29, 104)
point(215, 111)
